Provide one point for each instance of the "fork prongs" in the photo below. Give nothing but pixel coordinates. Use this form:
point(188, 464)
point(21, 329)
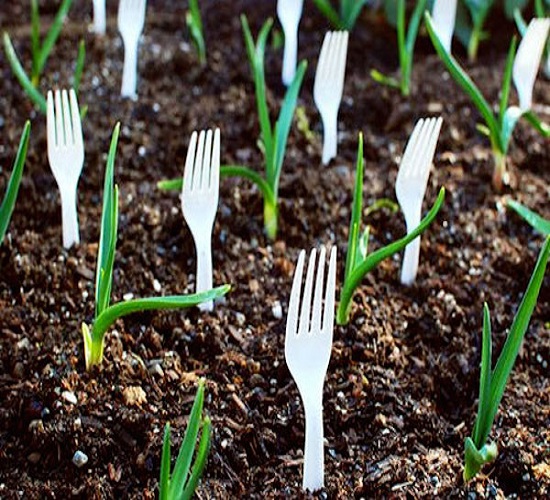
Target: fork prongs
point(202, 164)
point(305, 316)
point(328, 87)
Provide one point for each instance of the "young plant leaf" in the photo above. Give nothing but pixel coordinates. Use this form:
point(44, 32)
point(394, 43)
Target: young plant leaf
point(194, 23)
point(537, 222)
point(356, 275)
point(164, 481)
point(8, 203)
point(79, 66)
point(200, 459)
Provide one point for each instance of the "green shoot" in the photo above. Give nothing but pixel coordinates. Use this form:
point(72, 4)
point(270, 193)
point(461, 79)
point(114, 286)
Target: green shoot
point(358, 263)
point(498, 127)
point(346, 17)
point(492, 382)
point(537, 222)
point(478, 11)
point(273, 138)
point(8, 203)
point(105, 314)
point(194, 23)
point(40, 54)
point(406, 43)
point(181, 484)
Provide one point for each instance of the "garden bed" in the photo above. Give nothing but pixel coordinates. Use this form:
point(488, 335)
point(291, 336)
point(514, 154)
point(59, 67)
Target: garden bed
point(401, 389)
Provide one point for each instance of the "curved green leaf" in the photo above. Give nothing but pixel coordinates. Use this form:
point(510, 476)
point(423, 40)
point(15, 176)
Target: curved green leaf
point(535, 220)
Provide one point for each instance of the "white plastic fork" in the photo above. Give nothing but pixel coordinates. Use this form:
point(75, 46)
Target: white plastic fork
point(199, 202)
point(329, 86)
point(100, 18)
point(289, 13)
point(527, 60)
point(410, 186)
point(444, 16)
point(131, 19)
point(66, 157)
point(308, 347)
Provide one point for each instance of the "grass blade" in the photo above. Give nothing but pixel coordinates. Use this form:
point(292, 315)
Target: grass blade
point(108, 232)
point(356, 212)
point(541, 127)
point(412, 34)
point(164, 481)
point(8, 203)
point(513, 342)
point(52, 35)
point(535, 220)
point(506, 81)
point(466, 83)
point(116, 311)
point(22, 77)
point(35, 41)
point(350, 10)
point(194, 23)
point(357, 275)
point(200, 460)
point(326, 8)
point(79, 66)
point(185, 455)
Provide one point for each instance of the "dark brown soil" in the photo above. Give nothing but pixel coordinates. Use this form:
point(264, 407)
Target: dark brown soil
point(400, 395)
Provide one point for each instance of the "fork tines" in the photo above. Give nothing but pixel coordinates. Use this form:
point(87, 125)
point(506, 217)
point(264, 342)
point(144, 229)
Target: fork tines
point(329, 86)
point(312, 319)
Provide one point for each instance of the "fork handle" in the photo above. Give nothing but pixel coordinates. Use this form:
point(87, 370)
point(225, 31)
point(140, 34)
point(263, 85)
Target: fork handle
point(314, 460)
point(330, 139)
point(290, 54)
point(204, 273)
point(100, 21)
point(409, 267)
point(69, 219)
point(129, 73)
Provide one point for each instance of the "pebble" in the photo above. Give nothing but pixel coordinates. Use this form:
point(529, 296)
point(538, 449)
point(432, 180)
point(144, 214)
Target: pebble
point(70, 397)
point(277, 310)
point(156, 286)
point(34, 457)
point(240, 318)
point(80, 458)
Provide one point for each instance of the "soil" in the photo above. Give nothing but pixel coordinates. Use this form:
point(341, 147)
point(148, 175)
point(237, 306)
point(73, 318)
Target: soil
point(401, 390)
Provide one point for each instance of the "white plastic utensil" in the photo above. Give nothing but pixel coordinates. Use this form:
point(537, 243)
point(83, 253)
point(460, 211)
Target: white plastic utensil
point(131, 19)
point(66, 156)
point(199, 202)
point(444, 16)
point(329, 86)
point(527, 60)
point(100, 17)
point(308, 347)
point(410, 186)
point(290, 13)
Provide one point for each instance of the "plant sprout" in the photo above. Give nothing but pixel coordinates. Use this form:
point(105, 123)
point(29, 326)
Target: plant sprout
point(181, 484)
point(537, 222)
point(406, 48)
point(106, 314)
point(346, 16)
point(41, 53)
point(492, 382)
point(478, 10)
point(8, 203)
point(273, 138)
point(194, 23)
point(358, 263)
point(498, 128)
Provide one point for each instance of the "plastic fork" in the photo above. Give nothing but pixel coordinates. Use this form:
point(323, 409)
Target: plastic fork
point(410, 186)
point(100, 20)
point(527, 60)
point(199, 202)
point(289, 13)
point(328, 87)
point(66, 157)
point(131, 19)
point(308, 347)
point(444, 16)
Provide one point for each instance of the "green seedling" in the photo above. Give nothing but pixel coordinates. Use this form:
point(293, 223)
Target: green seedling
point(194, 23)
point(358, 261)
point(181, 484)
point(498, 127)
point(106, 314)
point(471, 33)
point(492, 382)
point(8, 203)
point(40, 54)
point(537, 222)
point(346, 16)
point(406, 43)
point(273, 138)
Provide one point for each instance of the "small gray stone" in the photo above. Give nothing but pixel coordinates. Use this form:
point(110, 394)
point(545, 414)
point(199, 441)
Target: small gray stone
point(80, 458)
